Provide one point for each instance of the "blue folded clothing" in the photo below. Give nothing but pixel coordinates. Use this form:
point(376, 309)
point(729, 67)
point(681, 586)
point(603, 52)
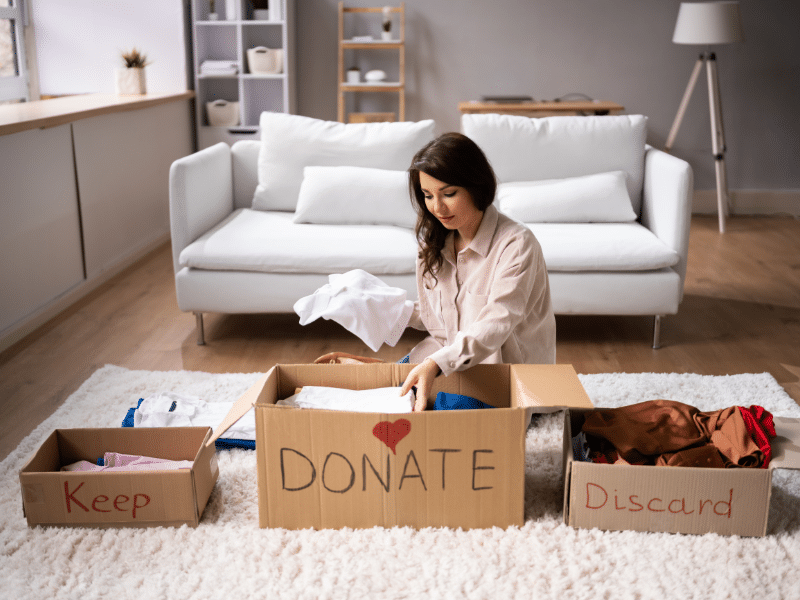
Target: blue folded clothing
point(220, 444)
point(445, 401)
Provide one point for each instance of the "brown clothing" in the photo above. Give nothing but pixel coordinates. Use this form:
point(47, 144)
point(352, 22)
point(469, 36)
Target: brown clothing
point(670, 433)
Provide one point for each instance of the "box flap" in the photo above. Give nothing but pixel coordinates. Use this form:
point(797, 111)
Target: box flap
point(547, 388)
point(786, 445)
point(245, 402)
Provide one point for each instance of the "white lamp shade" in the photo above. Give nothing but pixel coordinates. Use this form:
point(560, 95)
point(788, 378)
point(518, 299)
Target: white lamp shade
point(708, 23)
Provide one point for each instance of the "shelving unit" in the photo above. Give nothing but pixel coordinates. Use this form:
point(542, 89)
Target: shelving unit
point(228, 38)
point(398, 86)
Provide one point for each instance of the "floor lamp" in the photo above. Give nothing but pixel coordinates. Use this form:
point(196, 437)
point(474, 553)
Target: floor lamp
point(707, 24)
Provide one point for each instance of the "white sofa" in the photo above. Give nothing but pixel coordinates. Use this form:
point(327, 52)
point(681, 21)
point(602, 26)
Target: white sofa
point(232, 258)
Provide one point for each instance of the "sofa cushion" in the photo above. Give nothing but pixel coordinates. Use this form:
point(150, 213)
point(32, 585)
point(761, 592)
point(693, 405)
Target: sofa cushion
point(601, 247)
point(250, 240)
point(526, 149)
point(355, 196)
point(602, 197)
point(289, 143)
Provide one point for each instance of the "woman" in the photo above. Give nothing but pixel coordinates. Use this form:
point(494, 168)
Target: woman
point(482, 284)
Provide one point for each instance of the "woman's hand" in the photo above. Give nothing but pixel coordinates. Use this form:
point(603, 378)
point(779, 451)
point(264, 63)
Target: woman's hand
point(422, 377)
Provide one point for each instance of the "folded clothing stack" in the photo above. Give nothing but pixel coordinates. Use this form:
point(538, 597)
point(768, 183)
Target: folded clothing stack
point(381, 400)
point(219, 67)
point(167, 409)
point(115, 461)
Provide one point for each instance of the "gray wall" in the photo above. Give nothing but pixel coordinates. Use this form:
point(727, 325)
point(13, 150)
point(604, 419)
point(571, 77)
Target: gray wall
point(618, 50)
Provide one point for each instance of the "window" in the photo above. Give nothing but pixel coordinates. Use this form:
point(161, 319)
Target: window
point(13, 72)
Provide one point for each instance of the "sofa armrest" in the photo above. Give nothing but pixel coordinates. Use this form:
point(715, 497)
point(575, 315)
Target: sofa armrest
point(200, 195)
point(667, 202)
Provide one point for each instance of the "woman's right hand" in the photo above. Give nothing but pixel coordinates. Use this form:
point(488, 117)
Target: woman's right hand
point(421, 377)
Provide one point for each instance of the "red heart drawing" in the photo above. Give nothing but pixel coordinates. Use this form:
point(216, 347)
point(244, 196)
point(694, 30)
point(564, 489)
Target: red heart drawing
point(391, 433)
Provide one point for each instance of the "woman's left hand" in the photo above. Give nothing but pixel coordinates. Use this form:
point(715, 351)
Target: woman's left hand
point(422, 377)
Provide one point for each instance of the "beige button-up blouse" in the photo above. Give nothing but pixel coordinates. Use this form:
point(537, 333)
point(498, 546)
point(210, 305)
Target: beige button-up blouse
point(491, 303)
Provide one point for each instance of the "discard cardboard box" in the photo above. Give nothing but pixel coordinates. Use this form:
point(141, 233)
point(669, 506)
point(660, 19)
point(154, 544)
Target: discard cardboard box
point(129, 499)
point(333, 469)
point(673, 499)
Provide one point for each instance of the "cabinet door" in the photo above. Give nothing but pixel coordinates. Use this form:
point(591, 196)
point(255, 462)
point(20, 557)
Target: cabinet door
point(123, 165)
point(40, 243)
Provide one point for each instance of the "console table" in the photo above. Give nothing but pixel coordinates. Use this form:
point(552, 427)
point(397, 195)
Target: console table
point(542, 109)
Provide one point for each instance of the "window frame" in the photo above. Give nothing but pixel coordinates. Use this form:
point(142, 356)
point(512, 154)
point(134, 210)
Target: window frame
point(16, 87)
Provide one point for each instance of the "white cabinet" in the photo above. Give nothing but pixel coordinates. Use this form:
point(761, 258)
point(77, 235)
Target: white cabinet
point(223, 72)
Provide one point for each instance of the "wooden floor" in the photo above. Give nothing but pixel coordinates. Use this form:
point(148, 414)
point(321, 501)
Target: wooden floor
point(740, 314)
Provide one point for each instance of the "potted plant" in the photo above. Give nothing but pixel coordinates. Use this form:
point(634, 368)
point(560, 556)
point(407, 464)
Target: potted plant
point(131, 78)
point(212, 10)
point(386, 34)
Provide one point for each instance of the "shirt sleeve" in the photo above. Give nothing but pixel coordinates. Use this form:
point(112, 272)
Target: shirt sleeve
point(416, 319)
point(504, 309)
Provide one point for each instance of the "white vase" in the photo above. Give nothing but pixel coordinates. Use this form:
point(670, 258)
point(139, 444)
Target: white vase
point(386, 36)
point(131, 80)
point(230, 10)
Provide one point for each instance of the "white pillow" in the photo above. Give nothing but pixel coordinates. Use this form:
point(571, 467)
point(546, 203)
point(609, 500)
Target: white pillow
point(289, 143)
point(602, 197)
point(526, 149)
point(354, 196)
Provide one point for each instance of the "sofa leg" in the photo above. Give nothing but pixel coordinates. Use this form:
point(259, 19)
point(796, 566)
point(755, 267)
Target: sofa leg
point(657, 333)
point(201, 340)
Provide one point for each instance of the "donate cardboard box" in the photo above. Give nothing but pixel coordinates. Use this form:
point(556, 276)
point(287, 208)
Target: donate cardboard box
point(115, 499)
point(673, 499)
point(334, 469)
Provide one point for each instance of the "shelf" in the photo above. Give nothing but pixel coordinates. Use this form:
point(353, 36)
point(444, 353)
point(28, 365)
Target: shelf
point(394, 86)
point(229, 40)
point(357, 46)
point(376, 45)
point(263, 76)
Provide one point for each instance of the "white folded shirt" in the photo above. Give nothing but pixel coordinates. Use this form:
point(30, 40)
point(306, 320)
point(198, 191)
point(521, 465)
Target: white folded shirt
point(379, 400)
point(190, 411)
point(361, 303)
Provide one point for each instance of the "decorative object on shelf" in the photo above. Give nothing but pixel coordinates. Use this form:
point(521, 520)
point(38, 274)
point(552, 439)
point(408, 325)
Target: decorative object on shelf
point(212, 10)
point(386, 34)
point(362, 38)
point(353, 75)
point(375, 76)
point(260, 10)
point(265, 61)
point(222, 113)
point(230, 10)
point(708, 23)
point(219, 68)
point(131, 79)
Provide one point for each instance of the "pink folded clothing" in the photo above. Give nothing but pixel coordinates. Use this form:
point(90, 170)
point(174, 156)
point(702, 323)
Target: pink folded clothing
point(114, 461)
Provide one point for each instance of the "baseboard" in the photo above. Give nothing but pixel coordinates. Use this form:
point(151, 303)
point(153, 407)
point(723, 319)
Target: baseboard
point(52, 309)
point(750, 202)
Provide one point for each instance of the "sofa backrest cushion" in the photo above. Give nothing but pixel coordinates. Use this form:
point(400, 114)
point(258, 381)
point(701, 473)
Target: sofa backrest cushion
point(289, 143)
point(531, 149)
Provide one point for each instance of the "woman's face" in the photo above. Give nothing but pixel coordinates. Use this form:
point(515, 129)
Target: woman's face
point(451, 204)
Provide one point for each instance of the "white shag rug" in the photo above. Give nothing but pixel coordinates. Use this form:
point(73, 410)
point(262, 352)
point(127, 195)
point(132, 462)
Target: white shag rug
point(228, 556)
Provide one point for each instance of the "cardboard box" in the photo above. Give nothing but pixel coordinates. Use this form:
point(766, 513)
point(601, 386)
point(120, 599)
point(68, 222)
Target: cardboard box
point(114, 499)
point(333, 469)
point(673, 499)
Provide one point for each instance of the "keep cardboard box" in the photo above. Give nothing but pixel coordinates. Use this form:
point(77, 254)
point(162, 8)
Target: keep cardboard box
point(119, 499)
point(673, 499)
point(333, 469)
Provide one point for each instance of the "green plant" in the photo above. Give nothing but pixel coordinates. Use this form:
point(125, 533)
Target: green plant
point(135, 59)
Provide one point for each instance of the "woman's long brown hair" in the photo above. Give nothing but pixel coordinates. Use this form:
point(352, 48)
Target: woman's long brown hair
point(454, 159)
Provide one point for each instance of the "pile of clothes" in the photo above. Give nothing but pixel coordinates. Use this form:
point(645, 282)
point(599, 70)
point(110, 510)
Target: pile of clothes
point(671, 433)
